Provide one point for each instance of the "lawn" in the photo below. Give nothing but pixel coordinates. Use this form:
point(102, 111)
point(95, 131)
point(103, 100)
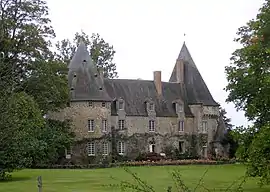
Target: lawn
point(93, 180)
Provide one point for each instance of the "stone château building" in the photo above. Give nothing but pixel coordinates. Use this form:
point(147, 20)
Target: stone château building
point(129, 117)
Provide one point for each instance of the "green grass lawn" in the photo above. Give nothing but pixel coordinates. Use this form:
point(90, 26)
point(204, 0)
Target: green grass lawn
point(93, 180)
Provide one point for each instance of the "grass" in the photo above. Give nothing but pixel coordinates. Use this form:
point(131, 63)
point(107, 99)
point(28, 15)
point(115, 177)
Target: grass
point(93, 180)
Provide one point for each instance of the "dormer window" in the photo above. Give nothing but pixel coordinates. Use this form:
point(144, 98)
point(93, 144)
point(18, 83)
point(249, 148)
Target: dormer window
point(151, 106)
point(121, 105)
point(180, 107)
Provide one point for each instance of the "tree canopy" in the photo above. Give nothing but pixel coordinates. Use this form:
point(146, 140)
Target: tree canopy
point(101, 52)
point(249, 89)
point(32, 83)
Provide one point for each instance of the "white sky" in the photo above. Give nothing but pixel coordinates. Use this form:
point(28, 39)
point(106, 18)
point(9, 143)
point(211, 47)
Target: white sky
point(147, 35)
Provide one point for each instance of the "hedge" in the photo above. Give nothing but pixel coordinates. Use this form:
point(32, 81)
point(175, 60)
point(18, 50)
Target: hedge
point(138, 163)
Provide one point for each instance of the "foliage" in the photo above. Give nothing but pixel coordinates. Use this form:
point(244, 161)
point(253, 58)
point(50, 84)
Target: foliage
point(249, 75)
point(106, 164)
point(101, 52)
point(48, 85)
point(179, 184)
point(259, 155)
point(228, 137)
point(24, 36)
point(54, 138)
point(31, 84)
point(249, 89)
point(20, 122)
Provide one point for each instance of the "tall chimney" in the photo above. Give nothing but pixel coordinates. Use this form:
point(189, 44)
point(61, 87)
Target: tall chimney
point(157, 80)
point(179, 71)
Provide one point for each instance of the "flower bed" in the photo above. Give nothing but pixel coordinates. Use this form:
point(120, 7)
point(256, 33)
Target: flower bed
point(139, 163)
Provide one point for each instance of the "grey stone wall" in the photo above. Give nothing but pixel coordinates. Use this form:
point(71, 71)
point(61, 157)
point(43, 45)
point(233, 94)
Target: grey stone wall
point(136, 135)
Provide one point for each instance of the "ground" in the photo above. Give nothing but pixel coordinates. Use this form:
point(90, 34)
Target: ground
point(93, 180)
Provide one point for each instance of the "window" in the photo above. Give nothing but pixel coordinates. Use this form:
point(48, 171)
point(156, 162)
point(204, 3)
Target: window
point(152, 148)
point(91, 148)
point(121, 148)
point(90, 104)
point(103, 104)
point(204, 126)
point(90, 125)
point(181, 125)
point(181, 146)
point(204, 151)
point(68, 153)
point(151, 106)
point(121, 124)
point(104, 125)
point(105, 148)
point(121, 105)
point(151, 125)
point(180, 108)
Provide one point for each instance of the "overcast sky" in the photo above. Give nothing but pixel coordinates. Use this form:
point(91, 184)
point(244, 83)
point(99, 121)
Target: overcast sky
point(147, 35)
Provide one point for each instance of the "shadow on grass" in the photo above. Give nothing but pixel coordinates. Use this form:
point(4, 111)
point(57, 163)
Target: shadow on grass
point(15, 179)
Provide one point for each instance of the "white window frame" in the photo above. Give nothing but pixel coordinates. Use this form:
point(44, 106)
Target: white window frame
point(151, 126)
point(105, 148)
point(104, 125)
point(121, 148)
point(181, 126)
point(151, 107)
point(204, 126)
point(68, 153)
point(121, 103)
point(121, 124)
point(103, 104)
point(180, 107)
point(91, 125)
point(204, 150)
point(91, 151)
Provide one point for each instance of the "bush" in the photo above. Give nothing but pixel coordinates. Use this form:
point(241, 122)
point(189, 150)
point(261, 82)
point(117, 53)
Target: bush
point(138, 163)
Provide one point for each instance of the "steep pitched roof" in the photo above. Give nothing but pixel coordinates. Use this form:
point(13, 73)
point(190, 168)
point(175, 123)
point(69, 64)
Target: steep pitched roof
point(136, 92)
point(197, 91)
point(89, 85)
point(84, 78)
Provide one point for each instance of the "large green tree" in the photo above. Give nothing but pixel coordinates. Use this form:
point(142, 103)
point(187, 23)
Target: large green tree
point(31, 84)
point(249, 89)
point(102, 52)
point(229, 136)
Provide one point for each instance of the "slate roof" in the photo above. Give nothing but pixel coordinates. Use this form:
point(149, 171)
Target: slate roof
point(136, 92)
point(88, 84)
point(197, 91)
point(91, 86)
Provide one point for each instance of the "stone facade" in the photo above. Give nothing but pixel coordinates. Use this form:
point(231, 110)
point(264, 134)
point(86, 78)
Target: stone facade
point(106, 121)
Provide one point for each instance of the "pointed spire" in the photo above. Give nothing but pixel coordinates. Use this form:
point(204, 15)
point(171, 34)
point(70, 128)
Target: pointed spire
point(185, 55)
point(81, 58)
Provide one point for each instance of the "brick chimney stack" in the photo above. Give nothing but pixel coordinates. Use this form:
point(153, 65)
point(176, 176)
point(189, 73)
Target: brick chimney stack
point(179, 71)
point(157, 81)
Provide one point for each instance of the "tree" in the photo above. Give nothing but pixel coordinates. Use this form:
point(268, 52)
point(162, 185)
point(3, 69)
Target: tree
point(31, 84)
point(228, 139)
point(248, 78)
point(101, 52)
point(20, 122)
